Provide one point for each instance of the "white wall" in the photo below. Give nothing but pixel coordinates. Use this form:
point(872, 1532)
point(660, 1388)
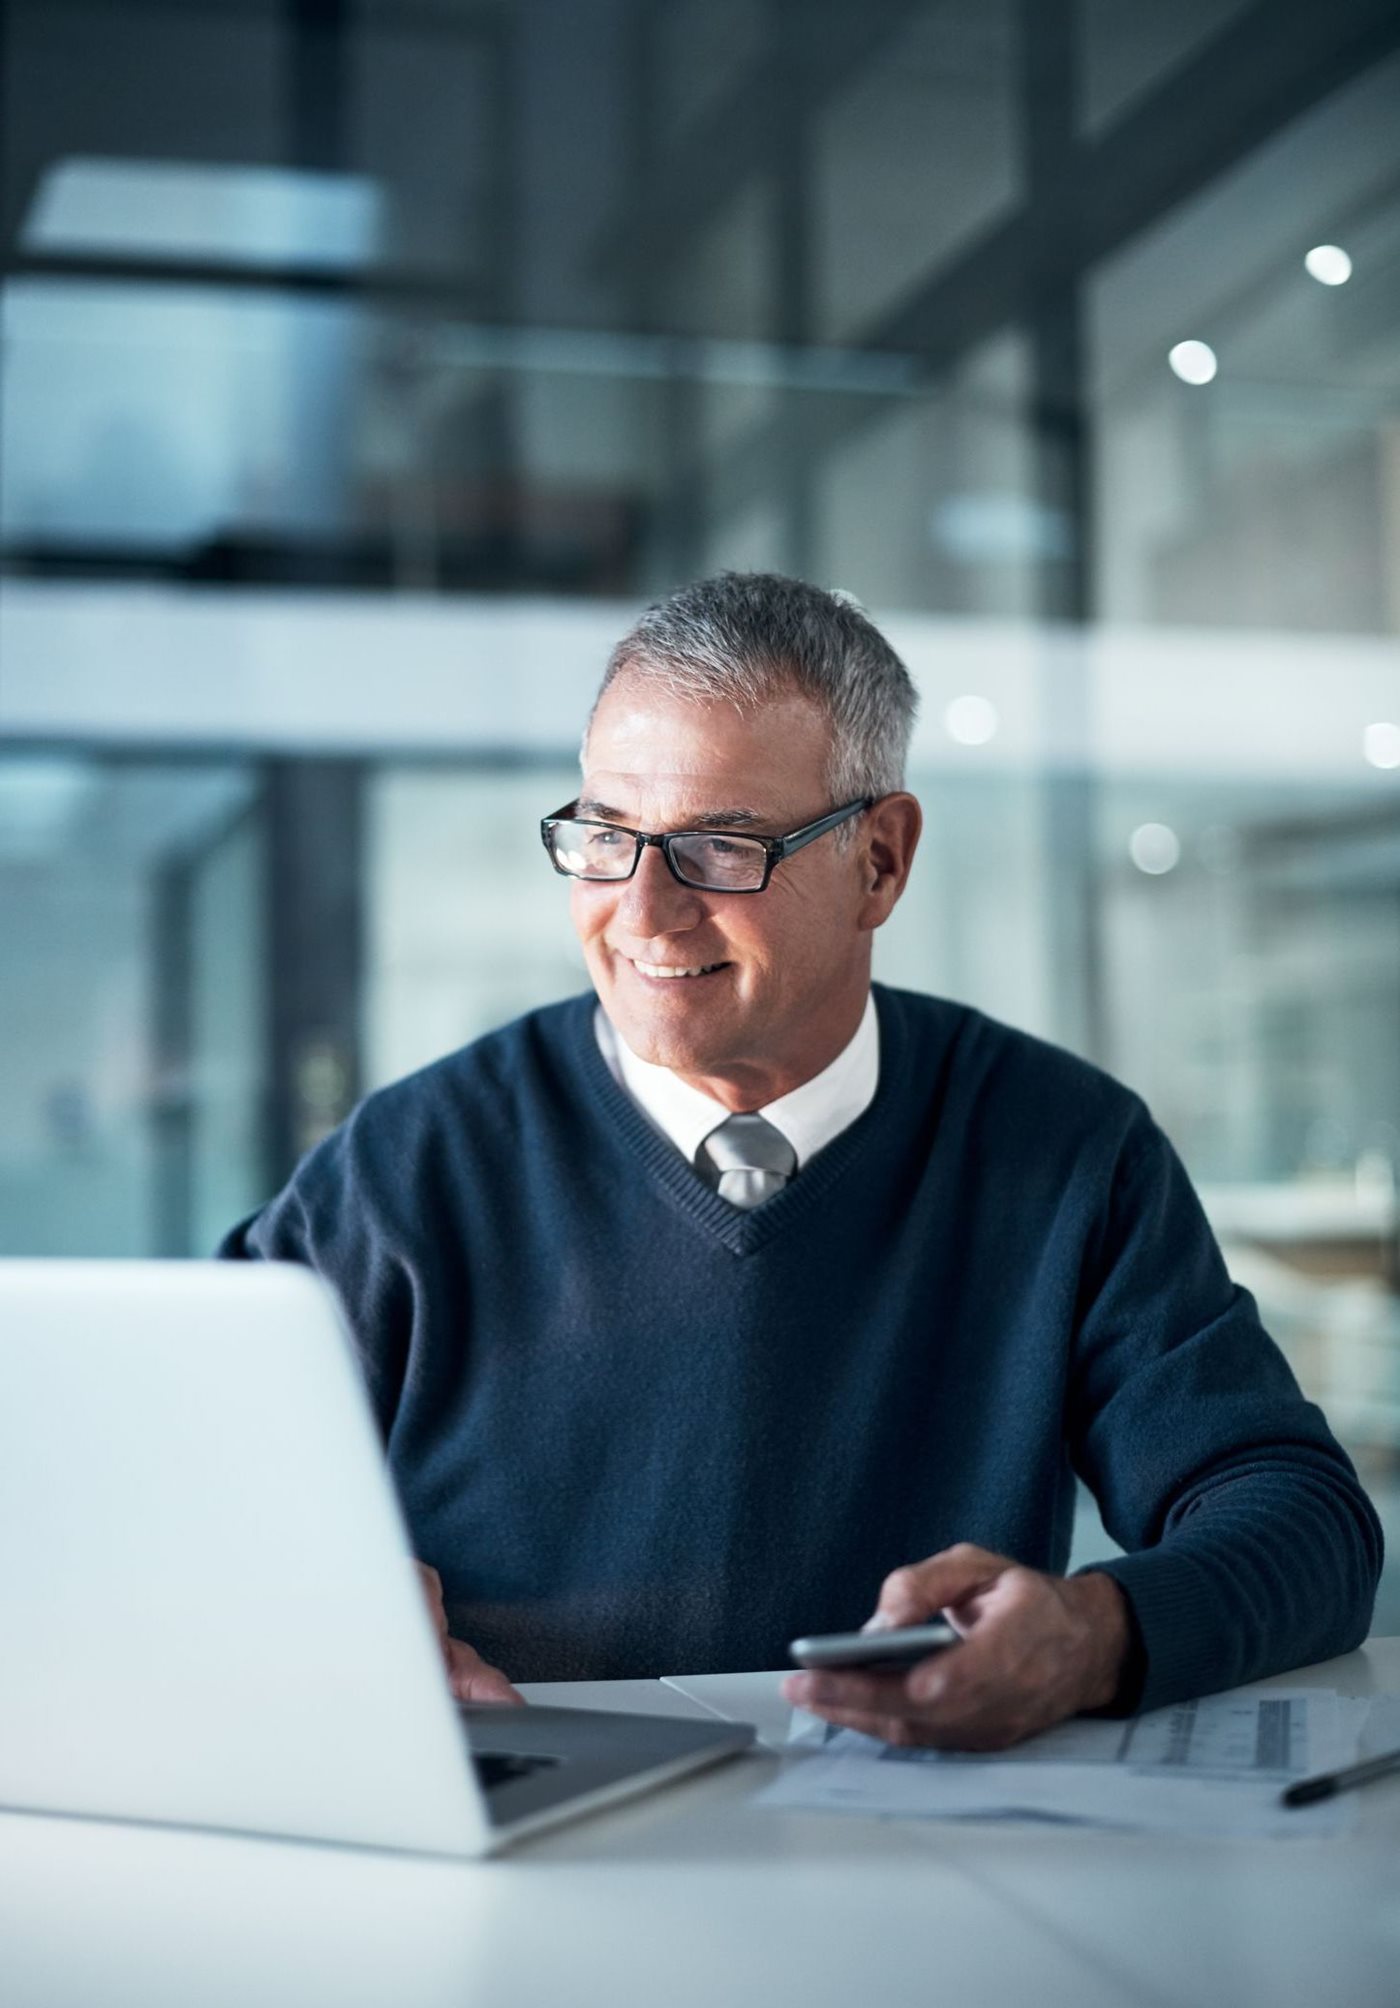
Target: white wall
point(381, 674)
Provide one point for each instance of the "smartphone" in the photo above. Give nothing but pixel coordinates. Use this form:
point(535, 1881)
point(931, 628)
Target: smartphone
point(901, 1647)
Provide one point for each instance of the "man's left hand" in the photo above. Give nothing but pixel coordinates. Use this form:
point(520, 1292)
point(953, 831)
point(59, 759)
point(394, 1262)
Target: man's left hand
point(1035, 1649)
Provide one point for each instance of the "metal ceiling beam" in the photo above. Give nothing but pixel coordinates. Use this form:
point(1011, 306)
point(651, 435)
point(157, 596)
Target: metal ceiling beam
point(1275, 61)
point(376, 285)
point(307, 24)
point(810, 53)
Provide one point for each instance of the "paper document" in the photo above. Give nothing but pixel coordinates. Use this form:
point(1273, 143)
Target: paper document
point(1215, 1766)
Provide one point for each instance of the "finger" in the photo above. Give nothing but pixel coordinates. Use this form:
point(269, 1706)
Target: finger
point(981, 1662)
point(919, 1590)
point(431, 1583)
point(987, 1702)
point(875, 1693)
point(990, 1681)
point(929, 1684)
point(1016, 1652)
point(488, 1685)
point(471, 1679)
point(991, 1727)
point(901, 1730)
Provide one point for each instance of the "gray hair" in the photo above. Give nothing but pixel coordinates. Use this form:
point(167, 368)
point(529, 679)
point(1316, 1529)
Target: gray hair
point(744, 637)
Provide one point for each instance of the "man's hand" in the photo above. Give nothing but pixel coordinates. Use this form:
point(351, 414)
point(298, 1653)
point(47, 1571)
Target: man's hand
point(468, 1675)
point(1034, 1650)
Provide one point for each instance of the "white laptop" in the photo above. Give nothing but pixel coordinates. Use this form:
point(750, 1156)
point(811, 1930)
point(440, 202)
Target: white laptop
point(209, 1613)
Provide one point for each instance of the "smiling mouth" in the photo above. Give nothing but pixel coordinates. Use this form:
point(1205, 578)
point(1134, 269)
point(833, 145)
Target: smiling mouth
point(669, 972)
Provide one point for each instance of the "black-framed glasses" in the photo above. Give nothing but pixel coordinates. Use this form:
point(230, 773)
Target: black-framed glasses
point(710, 860)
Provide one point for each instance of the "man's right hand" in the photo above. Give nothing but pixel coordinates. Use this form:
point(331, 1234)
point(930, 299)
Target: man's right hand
point(468, 1675)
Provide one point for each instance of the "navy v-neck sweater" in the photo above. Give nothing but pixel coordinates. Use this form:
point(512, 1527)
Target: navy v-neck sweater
point(639, 1432)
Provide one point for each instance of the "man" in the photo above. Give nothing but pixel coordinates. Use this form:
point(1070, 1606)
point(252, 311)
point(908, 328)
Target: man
point(661, 1390)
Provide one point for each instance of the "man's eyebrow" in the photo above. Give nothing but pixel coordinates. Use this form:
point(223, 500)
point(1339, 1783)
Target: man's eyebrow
point(707, 819)
point(726, 819)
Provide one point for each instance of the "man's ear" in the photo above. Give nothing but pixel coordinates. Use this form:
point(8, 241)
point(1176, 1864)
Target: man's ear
point(889, 840)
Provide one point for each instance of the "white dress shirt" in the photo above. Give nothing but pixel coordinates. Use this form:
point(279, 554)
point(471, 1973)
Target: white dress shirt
point(809, 1117)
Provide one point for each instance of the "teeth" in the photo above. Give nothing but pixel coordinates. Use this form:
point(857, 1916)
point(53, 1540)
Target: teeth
point(663, 969)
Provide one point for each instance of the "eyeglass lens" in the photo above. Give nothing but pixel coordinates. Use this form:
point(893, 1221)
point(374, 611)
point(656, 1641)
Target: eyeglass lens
point(592, 850)
point(704, 858)
point(727, 864)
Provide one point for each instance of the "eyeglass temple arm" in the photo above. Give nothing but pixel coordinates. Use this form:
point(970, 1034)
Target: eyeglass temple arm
point(787, 845)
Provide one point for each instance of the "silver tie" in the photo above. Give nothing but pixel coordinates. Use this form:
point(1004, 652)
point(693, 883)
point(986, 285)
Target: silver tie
point(747, 1160)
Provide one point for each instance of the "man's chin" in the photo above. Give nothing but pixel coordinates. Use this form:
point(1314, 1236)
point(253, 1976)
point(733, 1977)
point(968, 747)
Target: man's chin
point(667, 1046)
point(676, 1032)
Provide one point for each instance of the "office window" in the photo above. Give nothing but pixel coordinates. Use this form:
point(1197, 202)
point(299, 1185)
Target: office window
point(364, 368)
point(467, 925)
point(915, 156)
point(130, 1032)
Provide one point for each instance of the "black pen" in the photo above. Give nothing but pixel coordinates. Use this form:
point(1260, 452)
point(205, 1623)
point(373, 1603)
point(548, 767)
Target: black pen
point(1308, 1790)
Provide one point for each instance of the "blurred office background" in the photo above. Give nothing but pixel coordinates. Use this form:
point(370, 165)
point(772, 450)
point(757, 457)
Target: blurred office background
point(366, 363)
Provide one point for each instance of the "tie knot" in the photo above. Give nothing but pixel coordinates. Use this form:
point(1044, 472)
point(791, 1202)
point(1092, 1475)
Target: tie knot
point(748, 1159)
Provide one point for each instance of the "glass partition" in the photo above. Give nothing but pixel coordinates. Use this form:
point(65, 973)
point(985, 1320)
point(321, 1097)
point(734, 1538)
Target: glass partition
point(130, 1034)
point(363, 368)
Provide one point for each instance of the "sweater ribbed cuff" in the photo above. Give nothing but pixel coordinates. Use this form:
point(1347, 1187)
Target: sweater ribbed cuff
point(1175, 1623)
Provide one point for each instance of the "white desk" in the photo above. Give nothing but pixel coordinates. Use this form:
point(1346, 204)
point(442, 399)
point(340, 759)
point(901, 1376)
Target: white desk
point(691, 1899)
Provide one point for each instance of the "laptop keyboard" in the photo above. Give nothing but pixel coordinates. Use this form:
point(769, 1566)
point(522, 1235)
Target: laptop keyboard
point(495, 1769)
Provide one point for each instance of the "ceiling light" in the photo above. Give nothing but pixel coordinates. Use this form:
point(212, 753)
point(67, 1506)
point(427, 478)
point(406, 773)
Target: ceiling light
point(180, 209)
point(1154, 848)
point(972, 721)
point(1382, 744)
point(1328, 264)
point(1194, 362)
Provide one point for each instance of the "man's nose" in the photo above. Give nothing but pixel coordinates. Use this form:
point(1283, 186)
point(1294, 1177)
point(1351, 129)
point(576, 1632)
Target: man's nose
point(654, 902)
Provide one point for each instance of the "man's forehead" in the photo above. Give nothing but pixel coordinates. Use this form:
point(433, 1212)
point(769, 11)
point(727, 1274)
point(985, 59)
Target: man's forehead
point(701, 775)
point(615, 794)
point(682, 730)
point(694, 759)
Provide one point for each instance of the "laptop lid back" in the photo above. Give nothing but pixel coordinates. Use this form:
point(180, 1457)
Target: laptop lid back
point(208, 1607)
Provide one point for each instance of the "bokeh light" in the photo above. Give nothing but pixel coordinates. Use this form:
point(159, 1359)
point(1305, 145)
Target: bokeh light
point(1328, 264)
point(1194, 362)
point(1381, 743)
point(971, 720)
point(1154, 848)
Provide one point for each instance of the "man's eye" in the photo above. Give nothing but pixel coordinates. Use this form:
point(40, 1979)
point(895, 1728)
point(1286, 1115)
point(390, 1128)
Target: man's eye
point(721, 847)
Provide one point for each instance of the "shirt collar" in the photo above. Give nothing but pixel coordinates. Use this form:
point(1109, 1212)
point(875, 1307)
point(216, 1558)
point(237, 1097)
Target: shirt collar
point(809, 1117)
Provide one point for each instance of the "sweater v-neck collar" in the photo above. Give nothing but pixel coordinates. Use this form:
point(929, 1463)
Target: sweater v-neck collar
point(742, 1232)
